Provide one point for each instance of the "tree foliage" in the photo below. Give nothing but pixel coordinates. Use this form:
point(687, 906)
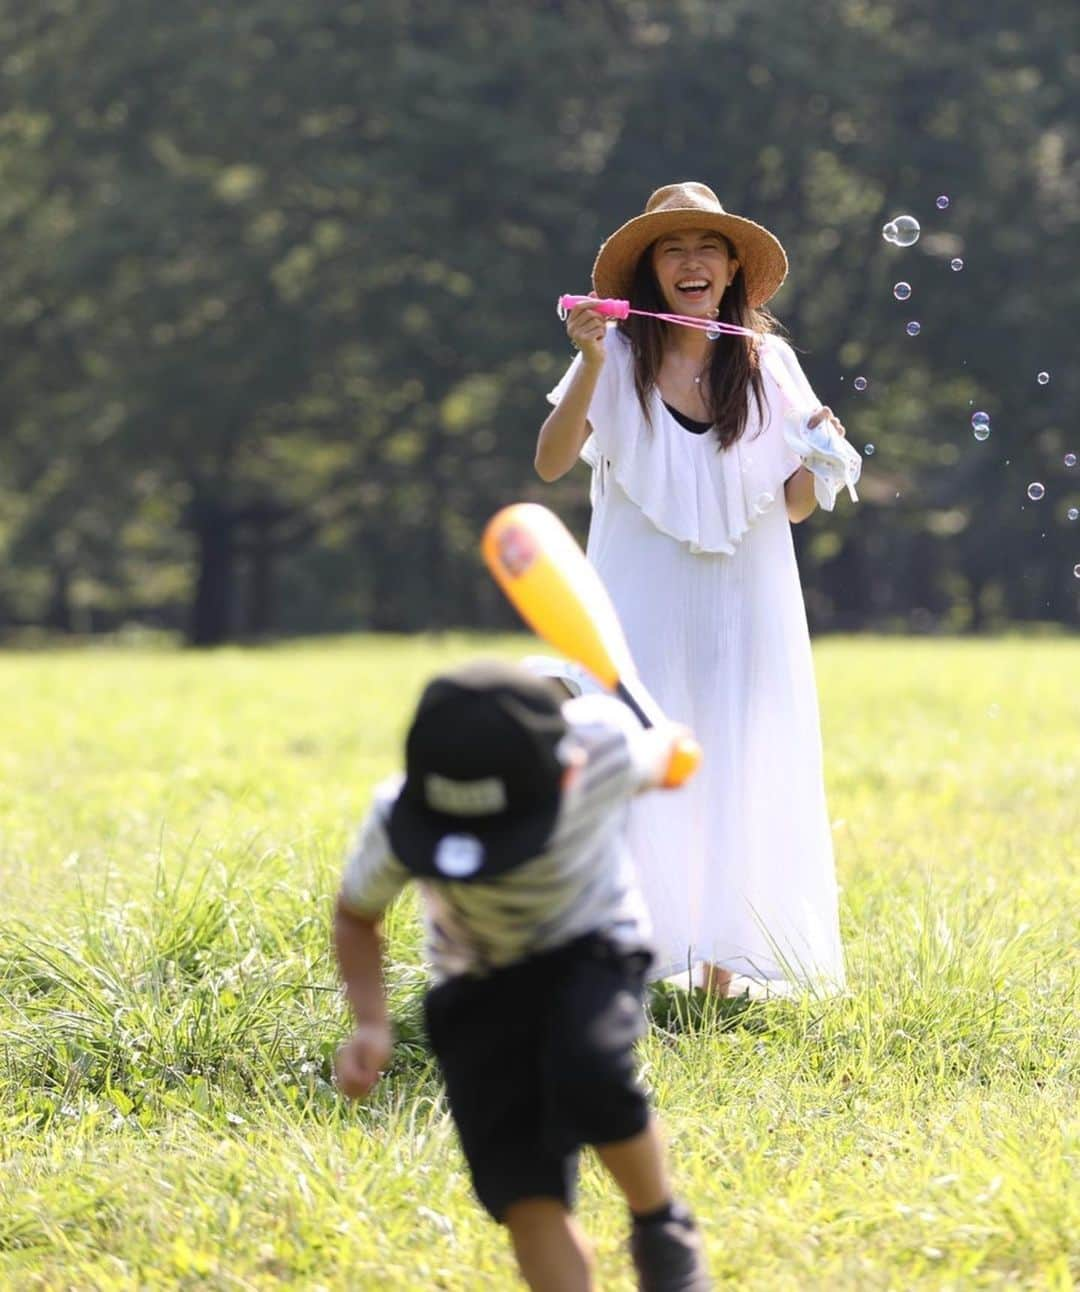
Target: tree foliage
point(279, 281)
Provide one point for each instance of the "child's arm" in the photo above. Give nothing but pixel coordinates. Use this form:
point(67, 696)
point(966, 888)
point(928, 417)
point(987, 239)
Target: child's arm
point(618, 757)
point(359, 953)
point(371, 880)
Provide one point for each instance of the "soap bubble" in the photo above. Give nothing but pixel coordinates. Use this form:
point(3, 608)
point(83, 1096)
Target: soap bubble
point(1036, 491)
point(902, 291)
point(1070, 459)
point(764, 501)
point(1073, 513)
point(906, 231)
point(1076, 571)
point(943, 202)
point(888, 231)
point(860, 383)
point(913, 328)
point(713, 333)
point(981, 431)
point(1043, 378)
point(980, 419)
point(956, 264)
point(869, 450)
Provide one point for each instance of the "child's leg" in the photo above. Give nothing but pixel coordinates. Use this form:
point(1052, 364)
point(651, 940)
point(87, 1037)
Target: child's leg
point(596, 1018)
point(639, 1169)
point(665, 1244)
point(485, 1037)
point(551, 1250)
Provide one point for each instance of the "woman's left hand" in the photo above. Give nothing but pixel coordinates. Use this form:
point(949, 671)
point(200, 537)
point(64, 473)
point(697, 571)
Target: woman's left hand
point(823, 414)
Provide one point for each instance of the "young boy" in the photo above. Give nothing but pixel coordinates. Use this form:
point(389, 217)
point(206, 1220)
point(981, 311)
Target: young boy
point(509, 817)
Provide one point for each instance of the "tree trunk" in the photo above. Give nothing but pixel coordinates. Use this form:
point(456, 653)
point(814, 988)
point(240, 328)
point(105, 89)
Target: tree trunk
point(978, 609)
point(59, 617)
point(259, 601)
point(212, 610)
point(848, 587)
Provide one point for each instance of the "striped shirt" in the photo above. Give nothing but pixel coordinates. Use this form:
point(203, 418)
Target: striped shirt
point(583, 883)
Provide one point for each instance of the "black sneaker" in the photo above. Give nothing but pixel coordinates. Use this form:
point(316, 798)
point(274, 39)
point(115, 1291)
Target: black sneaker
point(668, 1254)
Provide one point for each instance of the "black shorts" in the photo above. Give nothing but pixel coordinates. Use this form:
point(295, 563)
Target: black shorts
point(538, 1059)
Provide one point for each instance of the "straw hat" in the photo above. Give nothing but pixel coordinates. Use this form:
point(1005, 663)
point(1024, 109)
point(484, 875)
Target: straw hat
point(690, 206)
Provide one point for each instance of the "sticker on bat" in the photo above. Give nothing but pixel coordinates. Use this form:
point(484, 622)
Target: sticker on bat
point(517, 550)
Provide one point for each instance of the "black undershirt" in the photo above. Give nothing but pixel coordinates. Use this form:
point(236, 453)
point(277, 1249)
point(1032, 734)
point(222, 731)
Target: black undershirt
point(695, 428)
point(688, 423)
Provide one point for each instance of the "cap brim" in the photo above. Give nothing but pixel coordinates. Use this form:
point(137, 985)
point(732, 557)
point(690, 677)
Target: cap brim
point(508, 839)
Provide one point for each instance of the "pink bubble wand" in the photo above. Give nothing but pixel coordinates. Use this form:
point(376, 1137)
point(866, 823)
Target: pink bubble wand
point(612, 308)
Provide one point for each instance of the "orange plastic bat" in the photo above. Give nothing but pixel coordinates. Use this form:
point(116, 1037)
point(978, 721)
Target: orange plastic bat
point(539, 565)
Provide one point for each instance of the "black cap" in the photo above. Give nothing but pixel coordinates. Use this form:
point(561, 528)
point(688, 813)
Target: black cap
point(483, 771)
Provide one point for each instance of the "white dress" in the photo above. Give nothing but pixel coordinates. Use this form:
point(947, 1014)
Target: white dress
point(695, 547)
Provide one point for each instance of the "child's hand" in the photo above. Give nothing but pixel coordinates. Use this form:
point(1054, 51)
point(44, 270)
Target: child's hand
point(673, 753)
point(360, 1059)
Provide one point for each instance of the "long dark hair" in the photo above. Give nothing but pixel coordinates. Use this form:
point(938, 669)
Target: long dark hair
point(734, 369)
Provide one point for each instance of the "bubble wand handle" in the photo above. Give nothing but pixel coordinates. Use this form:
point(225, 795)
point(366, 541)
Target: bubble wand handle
point(610, 307)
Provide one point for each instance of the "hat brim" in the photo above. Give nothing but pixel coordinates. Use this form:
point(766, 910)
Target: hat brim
point(762, 258)
point(509, 839)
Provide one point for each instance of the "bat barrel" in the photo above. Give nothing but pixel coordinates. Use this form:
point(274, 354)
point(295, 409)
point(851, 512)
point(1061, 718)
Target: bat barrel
point(538, 564)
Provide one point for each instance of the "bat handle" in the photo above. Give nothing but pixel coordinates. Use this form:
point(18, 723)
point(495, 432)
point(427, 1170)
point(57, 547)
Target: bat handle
point(683, 763)
point(685, 756)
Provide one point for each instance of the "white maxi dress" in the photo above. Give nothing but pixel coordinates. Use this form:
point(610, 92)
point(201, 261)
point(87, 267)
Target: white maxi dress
point(694, 545)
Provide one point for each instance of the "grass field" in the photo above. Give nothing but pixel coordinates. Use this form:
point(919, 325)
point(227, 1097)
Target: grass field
point(171, 828)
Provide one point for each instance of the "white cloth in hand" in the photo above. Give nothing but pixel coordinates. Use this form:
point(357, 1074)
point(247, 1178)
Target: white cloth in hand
point(825, 453)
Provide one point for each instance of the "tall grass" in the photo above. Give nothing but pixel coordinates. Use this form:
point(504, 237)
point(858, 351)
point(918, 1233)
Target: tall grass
point(171, 829)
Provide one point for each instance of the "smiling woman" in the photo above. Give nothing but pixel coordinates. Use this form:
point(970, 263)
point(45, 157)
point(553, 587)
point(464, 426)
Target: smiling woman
point(683, 431)
point(698, 269)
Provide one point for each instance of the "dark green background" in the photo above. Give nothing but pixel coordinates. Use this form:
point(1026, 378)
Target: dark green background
point(278, 280)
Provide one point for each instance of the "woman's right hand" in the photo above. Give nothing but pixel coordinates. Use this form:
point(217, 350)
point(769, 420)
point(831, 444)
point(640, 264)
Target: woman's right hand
point(586, 329)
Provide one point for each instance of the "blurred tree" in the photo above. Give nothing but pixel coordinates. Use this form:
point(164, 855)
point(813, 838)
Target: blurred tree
point(279, 279)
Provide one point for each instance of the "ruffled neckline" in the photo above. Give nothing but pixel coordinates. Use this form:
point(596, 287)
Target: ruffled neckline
point(685, 484)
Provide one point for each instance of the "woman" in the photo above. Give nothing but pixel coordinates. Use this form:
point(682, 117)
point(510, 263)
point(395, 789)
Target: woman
point(693, 489)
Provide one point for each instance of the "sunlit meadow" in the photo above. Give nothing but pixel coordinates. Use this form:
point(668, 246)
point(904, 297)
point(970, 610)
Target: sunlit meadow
point(171, 830)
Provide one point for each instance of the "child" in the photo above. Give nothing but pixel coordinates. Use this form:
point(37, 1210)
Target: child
point(509, 816)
